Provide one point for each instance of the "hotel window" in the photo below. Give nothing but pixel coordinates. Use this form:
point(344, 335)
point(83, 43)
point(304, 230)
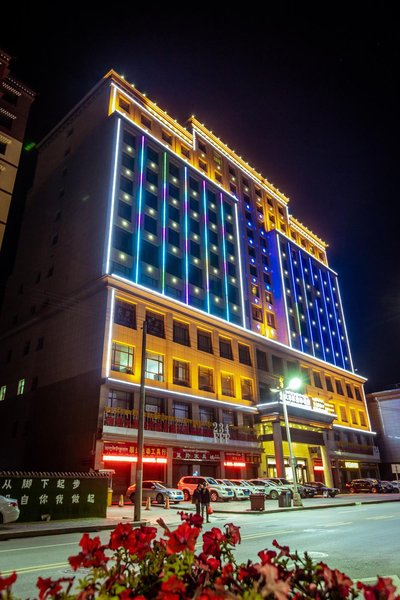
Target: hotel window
point(225, 348)
point(150, 225)
point(218, 176)
point(155, 324)
point(339, 387)
point(203, 165)
point(317, 380)
point(145, 121)
point(206, 379)
point(122, 358)
point(277, 365)
point(185, 152)
point(3, 148)
point(247, 389)
point(363, 422)
point(166, 137)
point(244, 354)
point(151, 200)
point(173, 237)
point(181, 410)
point(181, 373)
point(128, 161)
point(3, 390)
point(21, 387)
point(152, 156)
point(129, 139)
point(262, 363)
point(206, 414)
point(353, 416)
point(268, 297)
point(155, 405)
point(124, 210)
point(343, 414)
point(258, 192)
point(329, 385)
point(204, 341)
point(305, 375)
point(256, 312)
point(154, 366)
point(125, 314)
point(181, 333)
point(271, 320)
point(123, 104)
point(228, 417)
point(349, 390)
point(227, 384)
point(119, 399)
point(357, 393)
point(151, 177)
point(202, 146)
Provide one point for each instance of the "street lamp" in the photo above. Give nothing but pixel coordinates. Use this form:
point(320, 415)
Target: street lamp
point(140, 435)
point(294, 384)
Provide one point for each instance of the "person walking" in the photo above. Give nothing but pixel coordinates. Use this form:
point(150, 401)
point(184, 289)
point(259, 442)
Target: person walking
point(205, 502)
point(196, 498)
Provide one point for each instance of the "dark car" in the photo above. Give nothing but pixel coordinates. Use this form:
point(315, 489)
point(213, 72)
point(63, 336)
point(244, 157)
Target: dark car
point(389, 488)
point(365, 485)
point(323, 490)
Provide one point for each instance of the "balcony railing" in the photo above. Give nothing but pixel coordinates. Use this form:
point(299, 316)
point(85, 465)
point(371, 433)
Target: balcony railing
point(128, 419)
point(357, 448)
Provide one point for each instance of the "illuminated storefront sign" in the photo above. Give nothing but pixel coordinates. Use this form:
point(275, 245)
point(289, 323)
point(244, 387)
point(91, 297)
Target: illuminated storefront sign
point(351, 465)
point(234, 460)
point(127, 452)
point(316, 404)
point(196, 455)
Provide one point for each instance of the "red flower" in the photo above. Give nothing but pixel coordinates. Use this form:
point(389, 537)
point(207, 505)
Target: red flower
point(92, 554)
point(266, 556)
point(191, 518)
point(284, 550)
point(130, 595)
point(213, 563)
point(183, 538)
point(172, 589)
point(382, 590)
point(6, 582)
point(249, 572)
point(226, 575)
point(136, 541)
point(336, 580)
point(232, 534)
point(212, 541)
point(49, 588)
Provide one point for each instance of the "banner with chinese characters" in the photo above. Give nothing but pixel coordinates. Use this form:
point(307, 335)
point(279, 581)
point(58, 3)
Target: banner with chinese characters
point(129, 449)
point(45, 497)
point(253, 458)
point(234, 456)
point(196, 455)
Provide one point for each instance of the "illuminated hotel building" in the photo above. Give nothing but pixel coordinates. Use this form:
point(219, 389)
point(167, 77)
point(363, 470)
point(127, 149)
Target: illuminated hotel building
point(134, 217)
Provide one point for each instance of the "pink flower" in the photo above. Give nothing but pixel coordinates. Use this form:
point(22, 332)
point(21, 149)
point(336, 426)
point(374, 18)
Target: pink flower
point(232, 533)
point(272, 584)
point(336, 580)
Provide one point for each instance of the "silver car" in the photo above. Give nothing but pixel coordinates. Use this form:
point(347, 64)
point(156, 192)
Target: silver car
point(156, 491)
point(237, 490)
point(9, 510)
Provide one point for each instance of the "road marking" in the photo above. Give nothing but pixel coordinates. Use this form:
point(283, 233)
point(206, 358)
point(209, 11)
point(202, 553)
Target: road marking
point(338, 524)
point(379, 517)
point(37, 568)
point(38, 547)
point(351, 510)
point(315, 554)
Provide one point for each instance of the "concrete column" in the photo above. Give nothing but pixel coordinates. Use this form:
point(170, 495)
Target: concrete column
point(327, 466)
point(277, 436)
point(170, 453)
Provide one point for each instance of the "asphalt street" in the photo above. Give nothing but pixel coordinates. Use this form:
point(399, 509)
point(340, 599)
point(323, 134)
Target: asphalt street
point(361, 540)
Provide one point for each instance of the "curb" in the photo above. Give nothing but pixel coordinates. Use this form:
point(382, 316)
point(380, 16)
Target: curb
point(28, 533)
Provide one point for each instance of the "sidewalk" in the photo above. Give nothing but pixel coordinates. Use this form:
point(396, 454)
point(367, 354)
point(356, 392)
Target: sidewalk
point(116, 514)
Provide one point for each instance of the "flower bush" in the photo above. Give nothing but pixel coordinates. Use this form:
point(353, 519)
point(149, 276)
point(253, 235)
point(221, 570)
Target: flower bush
point(135, 565)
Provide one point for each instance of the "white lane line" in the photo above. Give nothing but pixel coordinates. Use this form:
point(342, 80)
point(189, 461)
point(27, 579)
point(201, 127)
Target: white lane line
point(351, 510)
point(37, 568)
point(39, 547)
point(336, 524)
point(379, 517)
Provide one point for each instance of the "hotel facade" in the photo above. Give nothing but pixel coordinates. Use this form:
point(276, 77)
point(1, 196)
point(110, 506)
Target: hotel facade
point(132, 218)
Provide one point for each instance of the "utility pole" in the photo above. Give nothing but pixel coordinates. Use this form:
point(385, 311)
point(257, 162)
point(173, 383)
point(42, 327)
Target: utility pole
point(140, 436)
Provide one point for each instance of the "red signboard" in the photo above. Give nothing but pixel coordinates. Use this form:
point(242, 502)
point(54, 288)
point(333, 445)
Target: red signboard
point(196, 455)
point(130, 449)
point(253, 458)
point(234, 457)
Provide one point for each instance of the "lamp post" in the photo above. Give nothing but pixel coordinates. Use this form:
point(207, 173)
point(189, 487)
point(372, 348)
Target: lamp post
point(293, 384)
point(140, 435)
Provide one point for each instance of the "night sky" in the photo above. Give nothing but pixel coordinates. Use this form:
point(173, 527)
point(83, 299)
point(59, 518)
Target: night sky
point(309, 100)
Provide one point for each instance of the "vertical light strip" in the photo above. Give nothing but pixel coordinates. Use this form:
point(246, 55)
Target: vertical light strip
point(206, 246)
point(289, 251)
point(114, 99)
point(345, 328)
point(164, 223)
point(306, 299)
point(139, 213)
point(186, 209)
point(110, 329)
point(327, 315)
point(283, 289)
point(114, 185)
point(221, 199)
point(239, 259)
point(336, 320)
point(317, 310)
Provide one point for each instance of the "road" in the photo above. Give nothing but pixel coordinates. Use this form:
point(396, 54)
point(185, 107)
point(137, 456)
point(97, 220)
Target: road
point(361, 540)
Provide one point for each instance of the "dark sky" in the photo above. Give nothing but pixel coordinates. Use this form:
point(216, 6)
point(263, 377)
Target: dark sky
point(309, 100)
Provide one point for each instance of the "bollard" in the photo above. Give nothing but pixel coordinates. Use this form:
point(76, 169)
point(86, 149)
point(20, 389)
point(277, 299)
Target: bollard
point(121, 500)
point(166, 502)
point(148, 504)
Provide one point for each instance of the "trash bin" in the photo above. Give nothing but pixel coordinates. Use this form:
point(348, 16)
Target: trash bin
point(284, 499)
point(257, 501)
point(109, 496)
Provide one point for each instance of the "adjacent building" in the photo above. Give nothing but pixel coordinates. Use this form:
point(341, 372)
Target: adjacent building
point(15, 102)
point(384, 409)
point(134, 217)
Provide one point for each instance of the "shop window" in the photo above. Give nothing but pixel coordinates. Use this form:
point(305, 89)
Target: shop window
point(181, 333)
point(317, 380)
point(119, 399)
point(248, 420)
point(122, 358)
point(244, 354)
point(181, 373)
point(225, 348)
point(154, 366)
point(227, 384)
point(125, 314)
point(247, 388)
point(271, 320)
point(353, 416)
point(204, 341)
point(329, 384)
point(155, 324)
point(228, 417)
point(155, 405)
point(339, 387)
point(357, 393)
point(256, 313)
point(206, 379)
point(363, 421)
point(277, 365)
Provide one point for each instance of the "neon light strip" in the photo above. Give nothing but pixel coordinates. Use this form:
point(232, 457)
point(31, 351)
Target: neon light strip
point(221, 199)
point(325, 266)
point(306, 302)
point(133, 459)
point(239, 259)
point(139, 215)
point(186, 209)
point(130, 283)
point(327, 315)
point(182, 395)
point(317, 311)
point(336, 318)
point(114, 99)
point(114, 185)
point(164, 223)
point(278, 245)
point(110, 328)
point(289, 251)
point(345, 328)
point(229, 463)
point(206, 246)
point(354, 429)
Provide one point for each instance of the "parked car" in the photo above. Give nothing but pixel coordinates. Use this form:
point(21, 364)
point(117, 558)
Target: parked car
point(237, 489)
point(396, 484)
point(156, 491)
point(217, 491)
point(365, 485)
point(309, 490)
point(288, 485)
point(246, 486)
point(271, 490)
point(322, 489)
point(9, 510)
point(389, 488)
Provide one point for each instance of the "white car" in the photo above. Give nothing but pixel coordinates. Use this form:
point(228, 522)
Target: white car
point(9, 510)
point(271, 489)
point(396, 484)
point(217, 491)
point(237, 490)
point(247, 487)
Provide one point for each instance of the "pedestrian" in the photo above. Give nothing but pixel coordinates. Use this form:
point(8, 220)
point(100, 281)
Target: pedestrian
point(196, 498)
point(205, 502)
